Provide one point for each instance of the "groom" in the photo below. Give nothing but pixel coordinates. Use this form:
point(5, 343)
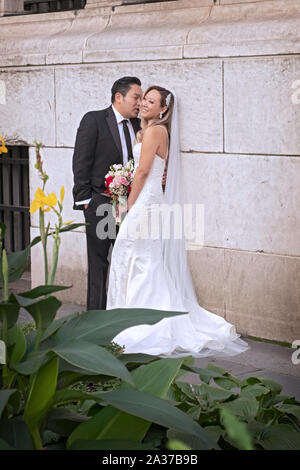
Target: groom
point(103, 138)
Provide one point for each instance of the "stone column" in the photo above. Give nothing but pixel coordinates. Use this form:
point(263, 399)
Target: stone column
point(9, 7)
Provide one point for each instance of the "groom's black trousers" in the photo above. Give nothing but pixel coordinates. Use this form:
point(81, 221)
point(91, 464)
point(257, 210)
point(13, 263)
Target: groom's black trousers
point(97, 254)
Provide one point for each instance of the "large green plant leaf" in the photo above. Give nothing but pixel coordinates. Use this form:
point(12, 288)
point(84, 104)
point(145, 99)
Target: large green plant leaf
point(293, 410)
point(275, 387)
point(244, 407)
point(254, 391)
point(4, 397)
point(16, 343)
point(193, 442)
point(9, 311)
point(92, 358)
point(66, 395)
point(41, 290)
point(33, 362)
point(17, 263)
point(56, 324)
point(156, 410)
point(5, 446)
point(110, 423)
point(15, 432)
point(63, 421)
point(101, 326)
point(280, 437)
point(41, 393)
point(43, 311)
point(205, 374)
point(236, 430)
point(110, 444)
point(210, 394)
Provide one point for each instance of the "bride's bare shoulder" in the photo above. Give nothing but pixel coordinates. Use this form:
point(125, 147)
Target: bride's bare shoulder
point(155, 132)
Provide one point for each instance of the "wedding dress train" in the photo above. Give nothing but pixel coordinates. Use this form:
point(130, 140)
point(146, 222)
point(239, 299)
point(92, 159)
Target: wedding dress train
point(137, 280)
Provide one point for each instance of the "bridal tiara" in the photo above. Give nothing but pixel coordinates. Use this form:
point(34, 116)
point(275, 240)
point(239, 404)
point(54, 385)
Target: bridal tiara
point(168, 99)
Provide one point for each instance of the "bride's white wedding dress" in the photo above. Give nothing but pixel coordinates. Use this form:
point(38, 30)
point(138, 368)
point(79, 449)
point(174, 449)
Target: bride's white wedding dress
point(137, 280)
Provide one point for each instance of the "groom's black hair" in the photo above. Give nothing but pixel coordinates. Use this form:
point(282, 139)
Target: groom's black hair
point(123, 86)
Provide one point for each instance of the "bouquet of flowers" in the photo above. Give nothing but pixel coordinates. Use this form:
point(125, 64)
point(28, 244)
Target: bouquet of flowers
point(118, 183)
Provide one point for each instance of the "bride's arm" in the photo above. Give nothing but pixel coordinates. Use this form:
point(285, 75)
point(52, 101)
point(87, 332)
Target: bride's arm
point(151, 142)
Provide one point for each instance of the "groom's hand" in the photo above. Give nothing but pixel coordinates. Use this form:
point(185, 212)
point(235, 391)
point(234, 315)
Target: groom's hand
point(85, 206)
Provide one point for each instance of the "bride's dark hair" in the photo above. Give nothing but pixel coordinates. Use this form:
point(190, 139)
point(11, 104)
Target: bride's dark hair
point(166, 117)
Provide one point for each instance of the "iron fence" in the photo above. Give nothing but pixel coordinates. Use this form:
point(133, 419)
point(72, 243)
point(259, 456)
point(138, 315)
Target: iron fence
point(14, 197)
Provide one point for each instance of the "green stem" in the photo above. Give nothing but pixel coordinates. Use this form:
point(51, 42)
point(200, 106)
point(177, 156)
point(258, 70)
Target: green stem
point(54, 260)
point(36, 438)
point(44, 243)
point(5, 276)
point(38, 332)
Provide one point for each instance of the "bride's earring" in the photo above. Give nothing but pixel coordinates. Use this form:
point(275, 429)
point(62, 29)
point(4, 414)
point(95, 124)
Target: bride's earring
point(160, 115)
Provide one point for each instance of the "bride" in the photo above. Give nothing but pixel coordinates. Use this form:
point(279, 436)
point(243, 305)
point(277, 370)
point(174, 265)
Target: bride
point(152, 271)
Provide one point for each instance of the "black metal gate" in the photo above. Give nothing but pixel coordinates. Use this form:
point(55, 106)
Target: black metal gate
point(14, 197)
point(46, 6)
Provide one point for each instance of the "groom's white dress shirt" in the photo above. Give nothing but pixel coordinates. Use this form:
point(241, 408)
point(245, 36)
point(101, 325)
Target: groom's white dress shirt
point(119, 119)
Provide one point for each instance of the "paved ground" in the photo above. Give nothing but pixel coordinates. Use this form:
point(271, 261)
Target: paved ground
point(263, 359)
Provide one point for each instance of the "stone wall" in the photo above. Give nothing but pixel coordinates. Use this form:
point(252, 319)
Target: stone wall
point(235, 66)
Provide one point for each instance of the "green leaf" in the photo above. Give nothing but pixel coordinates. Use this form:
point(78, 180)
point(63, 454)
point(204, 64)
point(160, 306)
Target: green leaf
point(205, 374)
point(41, 393)
point(41, 290)
point(109, 444)
point(254, 391)
point(227, 383)
point(5, 446)
point(63, 421)
point(56, 324)
point(17, 343)
point(156, 410)
point(177, 445)
point(270, 384)
point(275, 387)
point(192, 442)
point(92, 358)
point(17, 262)
point(293, 410)
point(214, 431)
point(42, 310)
point(4, 397)
point(70, 227)
point(33, 362)
point(217, 369)
point(236, 430)
point(15, 432)
point(213, 395)
point(101, 326)
point(67, 395)
point(110, 423)
point(280, 437)
point(10, 311)
point(244, 407)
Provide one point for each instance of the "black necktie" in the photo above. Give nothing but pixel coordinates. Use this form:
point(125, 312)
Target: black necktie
point(127, 138)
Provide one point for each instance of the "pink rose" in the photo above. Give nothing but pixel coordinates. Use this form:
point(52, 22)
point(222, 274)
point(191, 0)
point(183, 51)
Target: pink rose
point(118, 180)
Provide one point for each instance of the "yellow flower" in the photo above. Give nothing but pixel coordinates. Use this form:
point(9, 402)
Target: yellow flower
point(67, 223)
point(62, 194)
point(42, 200)
point(3, 149)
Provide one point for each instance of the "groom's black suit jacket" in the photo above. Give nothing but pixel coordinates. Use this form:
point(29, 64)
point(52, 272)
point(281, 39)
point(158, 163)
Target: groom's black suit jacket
point(97, 146)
